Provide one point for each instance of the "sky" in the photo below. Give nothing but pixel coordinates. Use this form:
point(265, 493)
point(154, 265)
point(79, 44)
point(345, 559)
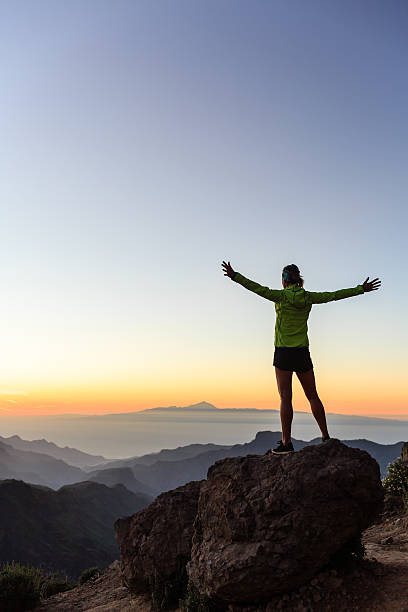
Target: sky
point(143, 143)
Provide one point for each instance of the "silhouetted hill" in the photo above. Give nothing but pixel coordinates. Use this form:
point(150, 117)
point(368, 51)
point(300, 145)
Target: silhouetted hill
point(72, 456)
point(171, 473)
point(125, 476)
point(36, 468)
point(67, 530)
point(173, 454)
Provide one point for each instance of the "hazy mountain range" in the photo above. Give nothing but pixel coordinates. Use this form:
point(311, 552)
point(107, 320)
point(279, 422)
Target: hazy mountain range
point(175, 470)
point(37, 468)
point(69, 455)
point(155, 472)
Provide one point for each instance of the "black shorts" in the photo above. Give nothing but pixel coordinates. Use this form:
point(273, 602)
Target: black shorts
point(294, 359)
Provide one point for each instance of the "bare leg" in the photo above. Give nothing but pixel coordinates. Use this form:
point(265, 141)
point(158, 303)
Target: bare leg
point(307, 380)
point(284, 380)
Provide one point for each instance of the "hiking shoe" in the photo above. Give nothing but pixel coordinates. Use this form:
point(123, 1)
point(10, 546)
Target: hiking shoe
point(282, 449)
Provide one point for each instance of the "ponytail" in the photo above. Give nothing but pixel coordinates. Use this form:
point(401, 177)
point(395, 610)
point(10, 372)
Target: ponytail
point(291, 274)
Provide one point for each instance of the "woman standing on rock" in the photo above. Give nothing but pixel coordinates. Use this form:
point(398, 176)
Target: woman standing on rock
point(293, 305)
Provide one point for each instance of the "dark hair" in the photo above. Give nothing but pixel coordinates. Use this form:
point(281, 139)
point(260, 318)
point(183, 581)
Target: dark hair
point(291, 274)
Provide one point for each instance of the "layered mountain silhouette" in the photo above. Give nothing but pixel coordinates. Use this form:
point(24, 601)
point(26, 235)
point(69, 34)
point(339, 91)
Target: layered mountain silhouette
point(68, 530)
point(170, 470)
point(72, 456)
point(121, 475)
point(37, 468)
point(175, 454)
point(157, 472)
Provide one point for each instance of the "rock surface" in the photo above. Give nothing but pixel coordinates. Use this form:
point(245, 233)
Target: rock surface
point(103, 594)
point(404, 453)
point(266, 524)
point(155, 543)
point(378, 585)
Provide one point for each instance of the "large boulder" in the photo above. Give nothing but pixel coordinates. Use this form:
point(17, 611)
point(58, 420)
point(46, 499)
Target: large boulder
point(266, 523)
point(155, 543)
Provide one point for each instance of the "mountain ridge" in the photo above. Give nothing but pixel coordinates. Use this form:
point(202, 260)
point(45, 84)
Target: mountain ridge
point(67, 530)
point(70, 455)
point(163, 475)
point(36, 468)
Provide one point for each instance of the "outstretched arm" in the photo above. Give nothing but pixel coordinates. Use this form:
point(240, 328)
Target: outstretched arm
point(320, 297)
point(270, 294)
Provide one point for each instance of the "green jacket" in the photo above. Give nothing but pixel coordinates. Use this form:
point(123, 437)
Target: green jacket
point(293, 305)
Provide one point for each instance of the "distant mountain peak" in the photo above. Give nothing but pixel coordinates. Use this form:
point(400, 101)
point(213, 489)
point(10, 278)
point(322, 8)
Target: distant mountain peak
point(203, 405)
point(198, 406)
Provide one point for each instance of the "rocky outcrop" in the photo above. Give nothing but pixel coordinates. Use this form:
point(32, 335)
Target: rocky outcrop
point(266, 524)
point(259, 525)
point(404, 453)
point(155, 543)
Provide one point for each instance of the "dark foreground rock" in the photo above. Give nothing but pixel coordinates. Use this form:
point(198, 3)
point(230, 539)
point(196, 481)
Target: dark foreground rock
point(259, 526)
point(155, 543)
point(266, 524)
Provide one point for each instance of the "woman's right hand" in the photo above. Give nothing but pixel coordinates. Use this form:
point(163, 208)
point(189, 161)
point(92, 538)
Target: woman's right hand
point(372, 285)
point(228, 271)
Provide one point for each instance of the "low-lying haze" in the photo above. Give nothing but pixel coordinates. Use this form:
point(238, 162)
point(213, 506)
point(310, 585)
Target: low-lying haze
point(137, 433)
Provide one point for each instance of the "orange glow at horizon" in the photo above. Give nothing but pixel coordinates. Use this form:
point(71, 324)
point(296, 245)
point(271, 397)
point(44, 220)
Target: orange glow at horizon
point(262, 394)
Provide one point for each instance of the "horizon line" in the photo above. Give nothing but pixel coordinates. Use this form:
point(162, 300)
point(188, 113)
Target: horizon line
point(393, 417)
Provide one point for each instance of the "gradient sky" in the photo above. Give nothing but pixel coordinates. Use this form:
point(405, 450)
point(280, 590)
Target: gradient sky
point(145, 142)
